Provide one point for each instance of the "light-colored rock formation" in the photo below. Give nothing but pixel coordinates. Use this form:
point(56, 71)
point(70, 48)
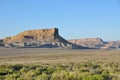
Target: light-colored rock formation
point(34, 35)
point(50, 38)
point(97, 43)
point(39, 38)
point(111, 45)
point(89, 42)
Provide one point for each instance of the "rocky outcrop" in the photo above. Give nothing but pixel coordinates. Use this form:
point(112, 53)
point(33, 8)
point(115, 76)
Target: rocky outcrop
point(111, 45)
point(89, 42)
point(48, 38)
point(97, 43)
point(44, 35)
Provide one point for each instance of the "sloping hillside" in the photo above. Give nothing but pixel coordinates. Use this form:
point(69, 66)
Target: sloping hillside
point(48, 38)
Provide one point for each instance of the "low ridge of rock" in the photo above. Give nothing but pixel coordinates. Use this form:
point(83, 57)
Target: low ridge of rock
point(44, 38)
point(112, 45)
point(89, 42)
point(97, 43)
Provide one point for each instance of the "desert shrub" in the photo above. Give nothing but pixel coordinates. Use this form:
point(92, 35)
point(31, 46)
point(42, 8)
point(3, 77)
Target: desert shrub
point(16, 67)
point(3, 72)
point(94, 77)
point(43, 76)
point(13, 76)
point(2, 78)
point(79, 71)
point(50, 70)
point(62, 75)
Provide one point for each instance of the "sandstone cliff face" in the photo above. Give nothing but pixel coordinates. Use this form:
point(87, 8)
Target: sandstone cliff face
point(34, 35)
point(89, 42)
point(50, 38)
point(39, 38)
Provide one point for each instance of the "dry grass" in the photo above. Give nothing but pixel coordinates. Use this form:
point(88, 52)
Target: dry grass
point(37, 55)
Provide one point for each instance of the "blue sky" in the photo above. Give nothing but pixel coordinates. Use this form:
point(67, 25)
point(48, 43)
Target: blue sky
point(74, 18)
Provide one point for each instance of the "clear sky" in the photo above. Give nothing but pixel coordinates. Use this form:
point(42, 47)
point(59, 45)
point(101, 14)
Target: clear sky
point(74, 18)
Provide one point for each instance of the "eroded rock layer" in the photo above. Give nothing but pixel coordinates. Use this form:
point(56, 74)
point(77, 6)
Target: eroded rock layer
point(39, 38)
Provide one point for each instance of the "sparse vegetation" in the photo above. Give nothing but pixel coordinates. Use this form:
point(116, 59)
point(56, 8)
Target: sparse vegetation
point(79, 71)
point(61, 65)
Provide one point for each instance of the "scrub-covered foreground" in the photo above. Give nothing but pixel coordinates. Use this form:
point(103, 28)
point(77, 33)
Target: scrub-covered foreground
point(79, 71)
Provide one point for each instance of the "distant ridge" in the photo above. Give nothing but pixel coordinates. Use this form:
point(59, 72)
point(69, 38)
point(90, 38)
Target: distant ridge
point(50, 38)
point(96, 43)
point(89, 42)
point(43, 38)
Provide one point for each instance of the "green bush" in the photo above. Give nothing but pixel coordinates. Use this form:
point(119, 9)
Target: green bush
point(79, 71)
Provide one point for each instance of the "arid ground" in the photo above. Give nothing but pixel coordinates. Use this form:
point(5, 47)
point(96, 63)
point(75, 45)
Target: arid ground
point(59, 64)
point(45, 55)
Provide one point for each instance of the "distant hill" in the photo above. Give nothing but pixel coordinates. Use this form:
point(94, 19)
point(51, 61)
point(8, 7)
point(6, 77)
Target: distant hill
point(50, 38)
point(43, 38)
point(89, 42)
point(97, 43)
point(112, 45)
